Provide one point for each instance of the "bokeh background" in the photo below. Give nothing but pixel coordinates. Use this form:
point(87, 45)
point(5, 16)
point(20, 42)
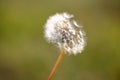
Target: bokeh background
point(25, 54)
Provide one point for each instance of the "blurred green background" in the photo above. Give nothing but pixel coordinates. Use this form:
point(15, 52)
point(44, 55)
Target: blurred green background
point(25, 54)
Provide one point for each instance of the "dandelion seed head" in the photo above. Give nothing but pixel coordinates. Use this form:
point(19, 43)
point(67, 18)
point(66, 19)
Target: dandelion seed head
point(66, 33)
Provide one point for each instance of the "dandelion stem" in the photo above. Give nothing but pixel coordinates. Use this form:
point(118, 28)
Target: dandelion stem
point(59, 60)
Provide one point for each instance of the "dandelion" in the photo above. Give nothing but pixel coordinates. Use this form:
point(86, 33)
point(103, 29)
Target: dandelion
point(66, 34)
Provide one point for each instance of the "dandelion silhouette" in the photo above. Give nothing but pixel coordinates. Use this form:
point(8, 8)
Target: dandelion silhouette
point(66, 34)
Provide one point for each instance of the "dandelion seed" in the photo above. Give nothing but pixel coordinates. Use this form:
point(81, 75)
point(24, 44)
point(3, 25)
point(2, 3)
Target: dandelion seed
point(65, 33)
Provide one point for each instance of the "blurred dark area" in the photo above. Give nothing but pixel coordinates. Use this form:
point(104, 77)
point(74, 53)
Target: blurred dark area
point(26, 55)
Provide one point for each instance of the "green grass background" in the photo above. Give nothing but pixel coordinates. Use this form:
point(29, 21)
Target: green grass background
point(25, 54)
